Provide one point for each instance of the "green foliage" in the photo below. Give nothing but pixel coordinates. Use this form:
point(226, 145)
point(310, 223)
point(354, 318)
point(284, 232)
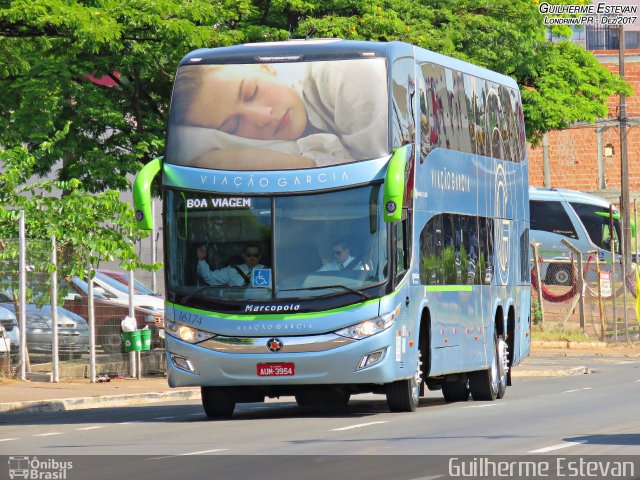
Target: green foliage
point(536, 312)
point(88, 228)
point(48, 48)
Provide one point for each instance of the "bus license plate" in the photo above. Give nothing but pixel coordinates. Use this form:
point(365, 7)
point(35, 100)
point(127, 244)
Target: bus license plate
point(276, 369)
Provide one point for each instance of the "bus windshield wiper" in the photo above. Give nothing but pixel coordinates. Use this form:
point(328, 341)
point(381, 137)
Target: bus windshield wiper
point(361, 294)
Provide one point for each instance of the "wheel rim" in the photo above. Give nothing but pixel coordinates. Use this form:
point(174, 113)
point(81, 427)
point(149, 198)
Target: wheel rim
point(503, 361)
point(562, 277)
point(417, 380)
point(495, 376)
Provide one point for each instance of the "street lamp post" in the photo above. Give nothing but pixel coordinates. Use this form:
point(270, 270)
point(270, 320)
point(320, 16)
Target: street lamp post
point(624, 163)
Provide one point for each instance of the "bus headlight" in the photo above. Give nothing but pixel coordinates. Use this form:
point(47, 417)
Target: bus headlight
point(186, 333)
point(369, 327)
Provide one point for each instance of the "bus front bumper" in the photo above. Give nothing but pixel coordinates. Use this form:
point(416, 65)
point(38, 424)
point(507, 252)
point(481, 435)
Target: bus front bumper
point(327, 364)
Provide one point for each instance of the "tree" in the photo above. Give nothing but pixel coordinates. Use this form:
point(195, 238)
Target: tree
point(88, 227)
point(107, 66)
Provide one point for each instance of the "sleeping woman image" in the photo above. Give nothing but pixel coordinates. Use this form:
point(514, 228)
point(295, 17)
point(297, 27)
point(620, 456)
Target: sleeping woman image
point(278, 116)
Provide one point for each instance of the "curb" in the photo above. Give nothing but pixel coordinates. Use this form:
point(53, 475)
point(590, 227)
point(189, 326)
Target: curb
point(127, 400)
point(568, 344)
point(564, 372)
point(106, 401)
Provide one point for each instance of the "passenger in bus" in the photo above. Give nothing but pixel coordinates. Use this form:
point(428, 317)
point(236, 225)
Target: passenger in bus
point(232, 275)
point(251, 113)
point(342, 259)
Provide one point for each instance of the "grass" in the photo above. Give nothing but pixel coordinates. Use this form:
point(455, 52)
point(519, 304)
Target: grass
point(556, 334)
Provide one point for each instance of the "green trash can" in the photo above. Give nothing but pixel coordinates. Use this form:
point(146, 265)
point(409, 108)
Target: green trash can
point(132, 341)
point(145, 337)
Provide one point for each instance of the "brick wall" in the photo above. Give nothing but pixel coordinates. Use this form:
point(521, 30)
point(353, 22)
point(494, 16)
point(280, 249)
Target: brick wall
point(573, 153)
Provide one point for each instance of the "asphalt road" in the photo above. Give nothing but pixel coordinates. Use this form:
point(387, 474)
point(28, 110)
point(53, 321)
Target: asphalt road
point(595, 414)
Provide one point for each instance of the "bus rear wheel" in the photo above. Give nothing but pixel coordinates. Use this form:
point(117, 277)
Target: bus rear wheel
point(218, 402)
point(456, 391)
point(492, 383)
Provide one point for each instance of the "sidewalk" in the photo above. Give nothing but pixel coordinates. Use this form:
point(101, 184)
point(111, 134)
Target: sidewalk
point(42, 396)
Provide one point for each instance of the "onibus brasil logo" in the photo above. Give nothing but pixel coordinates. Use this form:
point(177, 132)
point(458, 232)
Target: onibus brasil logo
point(33, 468)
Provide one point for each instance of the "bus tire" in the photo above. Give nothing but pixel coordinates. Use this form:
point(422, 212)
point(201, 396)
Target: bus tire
point(456, 391)
point(491, 384)
point(404, 395)
point(559, 274)
point(218, 402)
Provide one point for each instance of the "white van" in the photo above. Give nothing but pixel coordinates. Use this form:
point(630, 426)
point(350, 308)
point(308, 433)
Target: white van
point(581, 218)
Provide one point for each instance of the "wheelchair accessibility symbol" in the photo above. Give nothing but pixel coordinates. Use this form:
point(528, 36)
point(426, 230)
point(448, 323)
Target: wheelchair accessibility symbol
point(261, 277)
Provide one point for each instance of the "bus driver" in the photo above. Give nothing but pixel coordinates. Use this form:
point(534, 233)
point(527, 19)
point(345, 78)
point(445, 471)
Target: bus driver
point(233, 275)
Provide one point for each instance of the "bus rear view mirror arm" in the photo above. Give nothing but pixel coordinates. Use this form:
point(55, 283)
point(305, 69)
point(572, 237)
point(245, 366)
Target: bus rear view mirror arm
point(142, 193)
point(394, 184)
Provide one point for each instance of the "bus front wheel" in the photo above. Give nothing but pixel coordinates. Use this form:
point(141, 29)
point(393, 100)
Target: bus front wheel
point(218, 402)
point(404, 395)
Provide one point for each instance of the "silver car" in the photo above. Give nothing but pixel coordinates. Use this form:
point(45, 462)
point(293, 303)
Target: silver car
point(11, 331)
point(73, 332)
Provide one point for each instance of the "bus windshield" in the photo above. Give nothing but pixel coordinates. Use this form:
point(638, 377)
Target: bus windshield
point(598, 225)
point(278, 116)
point(265, 248)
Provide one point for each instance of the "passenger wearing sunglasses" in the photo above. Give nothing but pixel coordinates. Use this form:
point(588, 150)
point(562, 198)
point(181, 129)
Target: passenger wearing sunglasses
point(233, 275)
point(342, 259)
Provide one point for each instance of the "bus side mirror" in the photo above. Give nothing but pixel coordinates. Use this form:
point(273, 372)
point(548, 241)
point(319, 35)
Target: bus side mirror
point(142, 193)
point(394, 183)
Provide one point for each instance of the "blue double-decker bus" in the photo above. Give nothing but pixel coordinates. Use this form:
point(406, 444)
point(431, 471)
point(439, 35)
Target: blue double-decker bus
point(342, 217)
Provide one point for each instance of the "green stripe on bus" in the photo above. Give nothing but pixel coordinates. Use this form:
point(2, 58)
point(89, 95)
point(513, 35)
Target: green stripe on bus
point(448, 288)
point(278, 316)
point(286, 316)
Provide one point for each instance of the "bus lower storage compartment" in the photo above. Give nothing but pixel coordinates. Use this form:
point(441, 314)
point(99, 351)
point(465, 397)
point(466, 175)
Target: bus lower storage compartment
point(132, 341)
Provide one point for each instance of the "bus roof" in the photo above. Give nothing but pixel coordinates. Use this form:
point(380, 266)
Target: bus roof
point(332, 49)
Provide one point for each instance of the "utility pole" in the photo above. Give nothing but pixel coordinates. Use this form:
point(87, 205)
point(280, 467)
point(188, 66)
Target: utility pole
point(624, 163)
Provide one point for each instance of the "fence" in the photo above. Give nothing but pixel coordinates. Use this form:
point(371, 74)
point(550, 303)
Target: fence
point(589, 295)
point(84, 329)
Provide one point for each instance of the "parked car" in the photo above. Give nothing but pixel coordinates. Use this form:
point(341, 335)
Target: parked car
point(123, 277)
point(109, 315)
point(11, 331)
point(581, 218)
point(73, 332)
point(116, 287)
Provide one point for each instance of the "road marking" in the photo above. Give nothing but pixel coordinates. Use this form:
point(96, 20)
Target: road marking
point(91, 428)
point(577, 390)
point(628, 362)
point(204, 451)
point(195, 414)
point(48, 434)
point(486, 405)
point(129, 423)
point(8, 439)
point(190, 453)
point(360, 425)
point(163, 418)
point(637, 381)
point(558, 447)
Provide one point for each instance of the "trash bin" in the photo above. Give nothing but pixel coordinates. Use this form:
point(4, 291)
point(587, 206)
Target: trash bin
point(145, 337)
point(132, 341)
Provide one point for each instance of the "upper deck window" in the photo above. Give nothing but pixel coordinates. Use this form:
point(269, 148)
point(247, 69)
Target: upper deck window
point(279, 116)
